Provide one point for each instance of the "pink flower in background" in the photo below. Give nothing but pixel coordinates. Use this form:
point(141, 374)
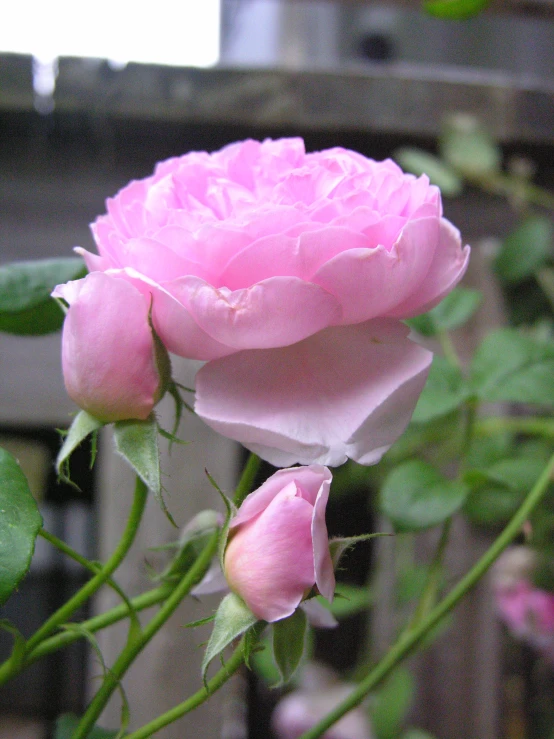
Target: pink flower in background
point(289, 273)
point(278, 547)
point(526, 610)
point(320, 691)
point(108, 354)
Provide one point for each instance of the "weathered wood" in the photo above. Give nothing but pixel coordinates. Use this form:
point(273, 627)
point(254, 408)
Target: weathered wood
point(169, 669)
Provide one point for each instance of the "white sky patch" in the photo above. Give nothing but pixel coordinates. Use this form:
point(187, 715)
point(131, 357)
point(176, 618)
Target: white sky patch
point(172, 32)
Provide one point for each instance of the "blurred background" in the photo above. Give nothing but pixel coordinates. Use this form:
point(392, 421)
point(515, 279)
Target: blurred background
point(93, 95)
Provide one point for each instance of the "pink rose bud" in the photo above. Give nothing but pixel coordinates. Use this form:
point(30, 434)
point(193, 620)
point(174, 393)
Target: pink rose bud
point(112, 368)
point(289, 273)
point(278, 547)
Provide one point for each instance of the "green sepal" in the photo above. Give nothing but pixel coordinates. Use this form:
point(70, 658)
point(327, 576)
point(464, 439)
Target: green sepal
point(137, 442)
point(82, 425)
point(289, 639)
point(20, 522)
point(230, 511)
point(232, 619)
point(26, 307)
point(341, 544)
point(418, 162)
point(416, 496)
point(68, 722)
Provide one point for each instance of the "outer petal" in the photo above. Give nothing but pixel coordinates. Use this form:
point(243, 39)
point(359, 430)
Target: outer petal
point(108, 351)
point(314, 480)
point(269, 560)
point(174, 325)
point(276, 312)
point(447, 269)
point(372, 282)
point(346, 392)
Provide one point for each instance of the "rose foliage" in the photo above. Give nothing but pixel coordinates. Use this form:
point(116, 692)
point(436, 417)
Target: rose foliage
point(289, 274)
point(278, 548)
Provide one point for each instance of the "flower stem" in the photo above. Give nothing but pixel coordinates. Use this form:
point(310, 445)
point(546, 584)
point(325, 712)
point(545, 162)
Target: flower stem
point(221, 677)
point(69, 551)
point(409, 639)
point(247, 478)
point(429, 595)
point(137, 642)
point(145, 600)
point(91, 587)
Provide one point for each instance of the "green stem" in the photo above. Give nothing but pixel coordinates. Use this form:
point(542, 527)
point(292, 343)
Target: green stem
point(95, 583)
point(429, 595)
point(137, 642)
point(145, 600)
point(247, 478)
point(410, 639)
point(69, 551)
point(523, 425)
point(221, 677)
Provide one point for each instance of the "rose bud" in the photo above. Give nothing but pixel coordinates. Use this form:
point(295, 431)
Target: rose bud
point(278, 548)
point(113, 366)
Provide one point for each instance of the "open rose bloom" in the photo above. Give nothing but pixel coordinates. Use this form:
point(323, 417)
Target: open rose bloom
point(289, 274)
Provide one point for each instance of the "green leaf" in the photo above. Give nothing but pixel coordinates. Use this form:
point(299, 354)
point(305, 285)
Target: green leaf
point(392, 703)
point(68, 722)
point(456, 308)
point(498, 491)
point(444, 391)
point(20, 522)
point(26, 307)
point(467, 147)
point(453, 311)
point(289, 636)
point(137, 442)
point(525, 250)
point(232, 619)
point(455, 9)
point(82, 425)
point(513, 367)
point(415, 496)
point(420, 162)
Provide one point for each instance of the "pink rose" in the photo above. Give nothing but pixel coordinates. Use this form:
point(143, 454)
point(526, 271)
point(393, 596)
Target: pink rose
point(526, 610)
point(278, 548)
point(108, 354)
point(289, 273)
point(318, 694)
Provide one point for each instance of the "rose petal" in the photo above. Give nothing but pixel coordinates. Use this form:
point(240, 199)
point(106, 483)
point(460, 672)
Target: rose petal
point(174, 325)
point(346, 392)
point(447, 269)
point(372, 282)
point(274, 587)
point(311, 478)
point(275, 312)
